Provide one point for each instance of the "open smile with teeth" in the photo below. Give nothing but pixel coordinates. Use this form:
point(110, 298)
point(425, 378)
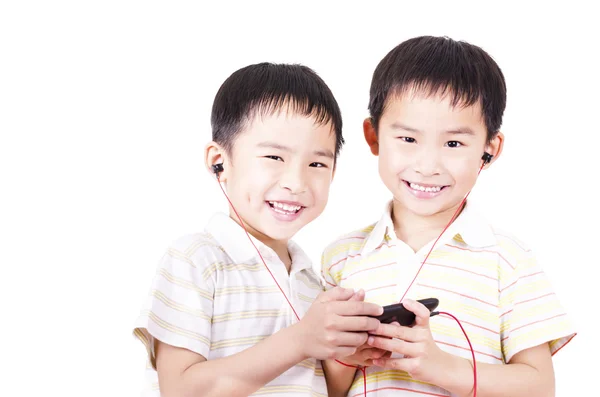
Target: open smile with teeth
point(283, 208)
point(428, 189)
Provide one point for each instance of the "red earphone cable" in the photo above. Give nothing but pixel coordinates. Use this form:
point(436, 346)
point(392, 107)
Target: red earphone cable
point(257, 250)
point(472, 351)
point(460, 207)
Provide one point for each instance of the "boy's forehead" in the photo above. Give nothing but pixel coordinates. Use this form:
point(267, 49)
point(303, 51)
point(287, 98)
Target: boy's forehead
point(286, 125)
point(447, 95)
point(424, 106)
point(286, 112)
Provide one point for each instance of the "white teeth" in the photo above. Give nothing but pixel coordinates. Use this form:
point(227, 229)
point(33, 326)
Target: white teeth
point(433, 189)
point(285, 207)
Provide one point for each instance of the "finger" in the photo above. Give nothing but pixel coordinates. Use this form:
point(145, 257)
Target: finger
point(336, 294)
point(350, 339)
point(367, 363)
point(421, 312)
point(386, 356)
point(356, 323)
point(354, 308)
point(408, 334)
point(373, 353)
point(409, 349)
point(358, 296)
point(402, 364)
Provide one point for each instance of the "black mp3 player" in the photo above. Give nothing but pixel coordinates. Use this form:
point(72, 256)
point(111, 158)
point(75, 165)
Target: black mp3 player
point(397, 312)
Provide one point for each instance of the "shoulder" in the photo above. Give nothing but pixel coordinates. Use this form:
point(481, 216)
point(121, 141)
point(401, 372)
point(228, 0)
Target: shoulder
point(511, 245)
point(199, 250)
point(514, 255)
point(345, 245)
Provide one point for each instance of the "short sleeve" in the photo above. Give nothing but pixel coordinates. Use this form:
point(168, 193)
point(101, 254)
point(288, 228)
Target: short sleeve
point(530, 312)
point(179, 308)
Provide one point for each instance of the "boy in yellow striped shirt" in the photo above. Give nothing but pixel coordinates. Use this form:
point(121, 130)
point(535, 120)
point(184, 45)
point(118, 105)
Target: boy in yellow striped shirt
point(436, 107)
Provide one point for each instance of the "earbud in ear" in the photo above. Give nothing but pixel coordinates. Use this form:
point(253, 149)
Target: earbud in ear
point(486, 158)
point(217, 168)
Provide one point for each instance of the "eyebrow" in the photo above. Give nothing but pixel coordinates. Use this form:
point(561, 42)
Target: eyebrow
point(456, 131)
point(274, 145)
point(400, 126)
point(461, 131)
point(325, 153)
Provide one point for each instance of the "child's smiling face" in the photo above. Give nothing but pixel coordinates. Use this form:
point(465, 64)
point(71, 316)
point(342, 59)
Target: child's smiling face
point(279, 172)
point(430, 152)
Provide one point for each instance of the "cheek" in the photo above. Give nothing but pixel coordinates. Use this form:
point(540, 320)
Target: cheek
point(249, 185)
point(320, 185)
point(464, 172)
point(256, 172)
point(391, 164)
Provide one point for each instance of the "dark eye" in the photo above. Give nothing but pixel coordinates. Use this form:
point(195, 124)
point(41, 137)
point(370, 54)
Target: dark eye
point(317, 165)
point(454, 144)
point(408, 139)
point(276, 158)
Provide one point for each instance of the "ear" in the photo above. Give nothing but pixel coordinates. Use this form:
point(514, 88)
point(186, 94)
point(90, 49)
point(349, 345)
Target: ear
point(371, 136)
point(216, 154)
point(495, 148)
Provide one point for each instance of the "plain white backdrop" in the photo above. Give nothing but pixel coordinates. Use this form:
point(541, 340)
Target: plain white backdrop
point(104, 114)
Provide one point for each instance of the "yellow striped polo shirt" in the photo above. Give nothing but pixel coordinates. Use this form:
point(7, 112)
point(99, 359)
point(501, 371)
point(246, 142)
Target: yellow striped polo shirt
point(485, 277)
point(213, 295)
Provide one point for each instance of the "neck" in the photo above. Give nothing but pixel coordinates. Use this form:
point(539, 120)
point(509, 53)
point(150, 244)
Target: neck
point(417, 230)
point(281, 249)
point(279, 246)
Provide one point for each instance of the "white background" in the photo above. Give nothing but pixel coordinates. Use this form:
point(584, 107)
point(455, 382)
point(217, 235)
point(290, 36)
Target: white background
point(104, 113)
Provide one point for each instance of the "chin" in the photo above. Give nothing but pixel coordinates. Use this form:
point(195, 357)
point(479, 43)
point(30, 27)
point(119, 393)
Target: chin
point(423, 209)
point(278, 230)
point(279, 235)
point(424, 212)
point(431, 210)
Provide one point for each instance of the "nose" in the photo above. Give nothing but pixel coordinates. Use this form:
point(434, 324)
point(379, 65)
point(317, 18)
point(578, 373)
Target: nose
point(294, 179)
point(427, 162)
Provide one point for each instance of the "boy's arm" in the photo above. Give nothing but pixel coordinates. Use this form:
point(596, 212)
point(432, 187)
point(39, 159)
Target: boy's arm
point(529, 374)
point(332, 327)
point(182, 372)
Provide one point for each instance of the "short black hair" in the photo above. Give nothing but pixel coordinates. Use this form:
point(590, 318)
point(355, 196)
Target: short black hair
point(441, 65)
point(265, 88)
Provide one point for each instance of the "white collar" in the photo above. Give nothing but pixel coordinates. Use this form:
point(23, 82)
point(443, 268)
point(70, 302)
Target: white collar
point(233, 239)
point(470, 227)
